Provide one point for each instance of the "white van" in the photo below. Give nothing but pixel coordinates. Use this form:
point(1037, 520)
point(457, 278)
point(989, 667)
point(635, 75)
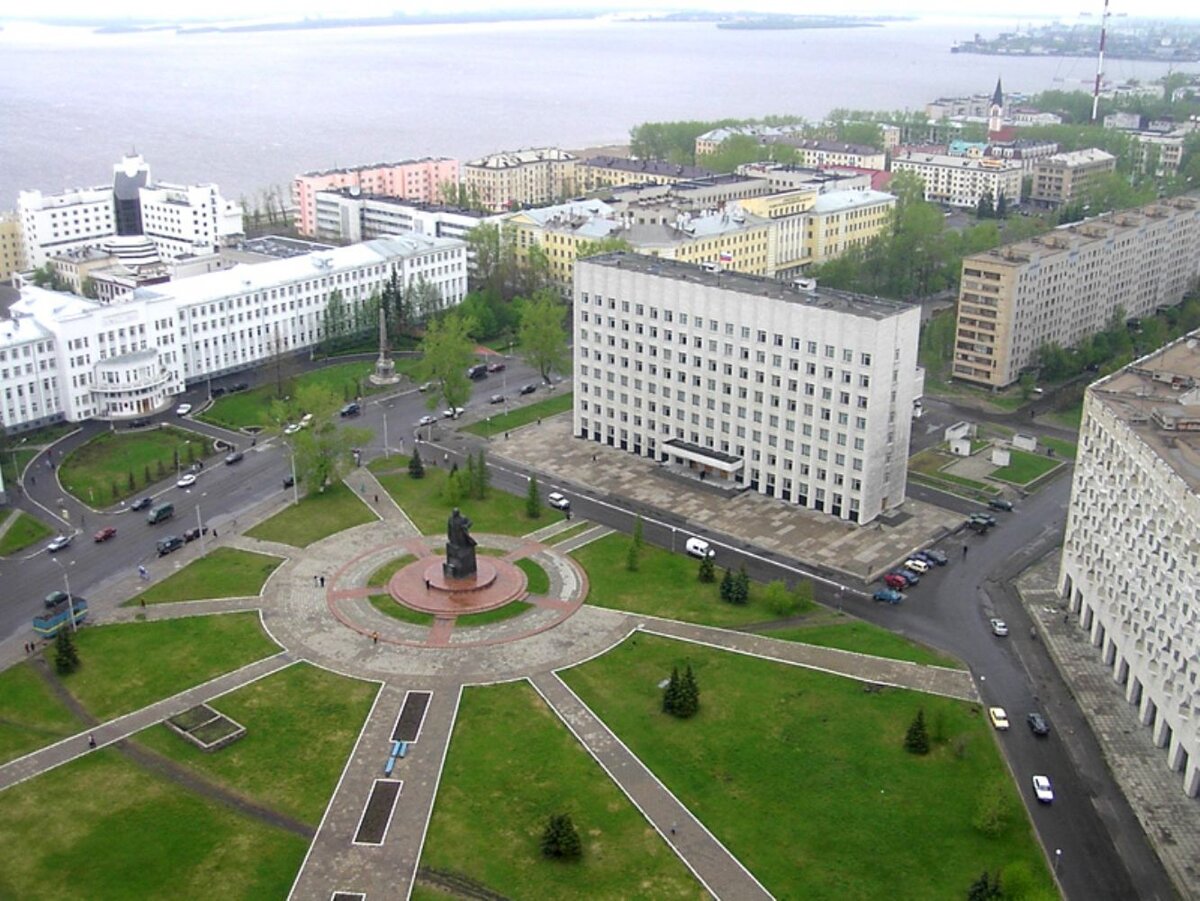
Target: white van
point(698, 547)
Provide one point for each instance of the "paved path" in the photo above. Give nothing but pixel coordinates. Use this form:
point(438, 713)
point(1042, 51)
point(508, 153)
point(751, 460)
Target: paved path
point(38, 762)
point(717, 869)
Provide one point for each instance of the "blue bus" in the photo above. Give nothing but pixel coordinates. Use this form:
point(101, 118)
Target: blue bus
point(48, 624)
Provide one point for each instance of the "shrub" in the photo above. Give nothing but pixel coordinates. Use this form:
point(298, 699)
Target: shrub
point(560, 839)
point(916, 740)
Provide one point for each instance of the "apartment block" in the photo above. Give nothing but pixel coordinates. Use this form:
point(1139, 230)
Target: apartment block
point(960, 181)
point(800, 393)
point(513, 179)
point(418, 180)
point(12, 246)
point(1065, 285)
point(816, 153)
point(1067, 177)
point(610, 171)
point(1129, 559)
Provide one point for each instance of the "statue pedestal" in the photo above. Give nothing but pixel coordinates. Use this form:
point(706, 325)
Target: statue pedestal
point(460, 562)
point(424, 585)
point(385, 372)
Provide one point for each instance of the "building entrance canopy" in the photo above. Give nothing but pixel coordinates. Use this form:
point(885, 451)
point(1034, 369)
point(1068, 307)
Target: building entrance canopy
point(706, 456)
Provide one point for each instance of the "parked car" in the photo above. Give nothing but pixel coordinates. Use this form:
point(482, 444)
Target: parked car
point(139, 423)
point(141, 503)
point(1042, 789)
point(980, 528)
point(234, 457)
point(60, 542)
point(218, 391)
point(916, 564)
point(933, 555)
point(424, 386)
point(985, 518)
point(306, 420)
point(999, 717)
point(999, 627)
point(452, 412)
point(895, 580)
point(496, 367)
point(427, 419)
point(291, 428)
point(183, 409)
point(351, 409)
point(54, 598)
point(889, 595)
point(194, 532)
point(558, 501)
point(496, 399)
point(169, 544)
point(239, 386)
point(104, 534)
point(698, 547)
point(1038, 724)
point(478, 371)
point(909, 577)
point(998, 503)
point(187, 480)
point(527, 389)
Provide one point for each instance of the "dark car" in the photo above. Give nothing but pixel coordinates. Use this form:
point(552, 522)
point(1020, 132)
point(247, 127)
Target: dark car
point(240, 386)
point(1038, 724)
point(139, 423)
point(528, 389)
point(889, 596)
point(288, 481)
point(495, 367)
point(997, 503)
point(218, 391)
point(933, 555)
point(351, 409)
point(168, 544)
point(105, 534)
point(478, 371)
point(985, 518)
point(141, 503)
point(195, 532)
point(233, 457)
point(54, 598)
point(910, 578)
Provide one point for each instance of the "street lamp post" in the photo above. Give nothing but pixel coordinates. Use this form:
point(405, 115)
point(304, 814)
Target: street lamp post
point(200, 529)
point(1057, 859)
point(295, 487)
point(385, 438)
point(70, 597)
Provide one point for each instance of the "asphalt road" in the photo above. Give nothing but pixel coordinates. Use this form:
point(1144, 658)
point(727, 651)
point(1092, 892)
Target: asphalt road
point(1089, 821)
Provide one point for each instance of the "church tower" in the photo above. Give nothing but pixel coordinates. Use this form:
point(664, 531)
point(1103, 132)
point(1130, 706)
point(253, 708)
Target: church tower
point(996, 111)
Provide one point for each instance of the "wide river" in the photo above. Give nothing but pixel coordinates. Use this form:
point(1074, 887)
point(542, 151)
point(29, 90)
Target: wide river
point(250, 110)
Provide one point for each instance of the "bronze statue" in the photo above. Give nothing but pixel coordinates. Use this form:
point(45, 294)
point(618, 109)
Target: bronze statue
point(460, 547)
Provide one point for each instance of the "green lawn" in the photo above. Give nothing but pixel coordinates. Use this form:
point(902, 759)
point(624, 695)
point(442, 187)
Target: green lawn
point(93, 470)
point(1070, 418)
point(865, 638)
point(300, 726)
point(510, 766)
point(31, 716)
point(425, 502)
point(251, 409)
point(514, 419)
point(1064, 449)
point(383, 574)
point(125, 667)
point(317, 516)
point(1024, 467)
point(24, 531)
point(224, 573)
point(388, 606)
point(665, 585)
point(14, 461)
point(102, 828)
point(487, 617)
point(804, 776)
point(537, 581)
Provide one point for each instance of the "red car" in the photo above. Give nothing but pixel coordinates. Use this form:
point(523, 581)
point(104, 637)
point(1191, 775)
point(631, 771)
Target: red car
point(894, 581)
point(495, 367)
point(104, 534)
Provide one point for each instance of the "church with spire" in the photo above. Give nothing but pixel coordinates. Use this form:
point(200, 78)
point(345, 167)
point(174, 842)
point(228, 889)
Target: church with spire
point(996, 129)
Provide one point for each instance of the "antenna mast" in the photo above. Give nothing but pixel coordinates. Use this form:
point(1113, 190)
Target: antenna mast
point(1100, 64)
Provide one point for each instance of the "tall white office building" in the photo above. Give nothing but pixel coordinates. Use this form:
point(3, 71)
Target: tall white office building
point(53, 224)
point(801, 393)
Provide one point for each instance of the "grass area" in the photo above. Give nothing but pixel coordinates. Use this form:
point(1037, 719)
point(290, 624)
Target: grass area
point(514, 419)
point(537, 581)
point(665, 585)
point(1024, 467)
point(384, 574)
point(15, 460)
point(99, 472)
point(252, 409)
point(426, 503)
point(487, 617)
point(317, 516)
point(1071, 418)
point(928, 467)
point(300, 726)
point(48, 434)
point(864, 638)
point(813, 777)
point(566, 534)
point(224, 573)
point(31, 716)
point(1061, 448)
point(103, 828)
point(387, 605)
point(930, 461)
point(24, 531)
point(127, 666)
point(491, 809)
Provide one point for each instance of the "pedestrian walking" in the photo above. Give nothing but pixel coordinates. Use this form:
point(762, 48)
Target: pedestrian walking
point(316, 581)
point(427, 583)
point(374, 638)
point(91, 741)
point(446, 458)
point(143, 603)
point(322, 581)
point(33, 480)
point(1066, 618)
point(506, 436)
point(377, 498)
point(965, 549)
point(214, 533)
point(142, 573)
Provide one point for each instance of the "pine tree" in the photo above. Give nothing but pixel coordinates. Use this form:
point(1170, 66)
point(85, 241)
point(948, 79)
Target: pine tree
point(162, 469)
point(147, 473)
point(416, 469)
point(485, 476)
point(132, 483)
point(638, 540)
point(533, 501)
point(741, 587)
point(708, 572)
point(631, 557)
point(689, 695)
point(983, 889)
point(670, 701)
point(1001, 207)
point(560, 838)
point(727, 589)
point(916, 740)
point(66, 658)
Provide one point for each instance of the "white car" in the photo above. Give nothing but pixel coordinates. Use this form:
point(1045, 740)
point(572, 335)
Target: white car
point(698, 547)
point(452, 412)
point(999, 627)
point(1043, 789)
point(999, 717)
point(917, 565)
point(558, 500)
point(306, 420)
point(291, 428)
point(428, 419)
point(183, 409)
point(187, 480)
point(59, 543)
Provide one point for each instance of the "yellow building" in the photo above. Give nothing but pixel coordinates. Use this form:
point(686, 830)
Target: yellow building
point(12, 248)
point(614, 171)
point(503, 181)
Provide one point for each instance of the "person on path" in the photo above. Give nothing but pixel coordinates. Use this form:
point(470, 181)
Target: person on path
point(214, 533)
point(322, 581)
point(33, 480)
point(143, 603)
point(142, 573)
point(374, 638)
point(377, 498)
point(965, 549)
point(91, 742)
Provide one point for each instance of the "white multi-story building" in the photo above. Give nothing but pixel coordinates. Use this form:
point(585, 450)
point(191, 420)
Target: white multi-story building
point(68, 357)
point(961, 181)
point(800, 393)
point(350, 215)
point(1131, 554)
point(185, 220)
point(53, 224)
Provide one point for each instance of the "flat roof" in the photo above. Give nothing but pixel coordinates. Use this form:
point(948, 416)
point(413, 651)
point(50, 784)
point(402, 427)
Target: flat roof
point(789, 292)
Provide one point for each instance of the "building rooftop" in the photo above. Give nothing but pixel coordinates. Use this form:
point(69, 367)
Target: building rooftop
point(346, 170)
point(802, 291)
point(648, 167)
point(831, 146)
point(990, 163)
point(356, 194)
point(1074, 158)
point(279, 247)
point(1158, 398)
point(509, 159)
point(837, 201)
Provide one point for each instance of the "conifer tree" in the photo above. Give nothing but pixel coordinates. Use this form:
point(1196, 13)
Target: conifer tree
point(66, 658)
point(727, 589)
point(560, 838)
point(708, 572)
point(533, 501)
point(416, 468)
point(670, 702)
point(689, 695)
point(916, 740)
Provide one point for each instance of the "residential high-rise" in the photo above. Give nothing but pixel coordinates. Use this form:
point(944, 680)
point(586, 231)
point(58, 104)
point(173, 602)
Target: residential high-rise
point(512, 179)
point(801, 393)
point(961, 181)
point(1130, 560)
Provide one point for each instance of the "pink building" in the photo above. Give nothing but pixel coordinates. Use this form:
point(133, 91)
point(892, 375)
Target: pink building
point(418, 180)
